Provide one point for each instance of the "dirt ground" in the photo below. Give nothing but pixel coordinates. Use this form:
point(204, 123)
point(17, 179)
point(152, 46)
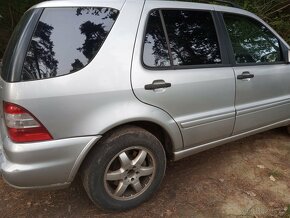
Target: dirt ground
point(248, 178)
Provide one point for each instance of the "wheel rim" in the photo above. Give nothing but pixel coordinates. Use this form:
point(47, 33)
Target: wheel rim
point(130, 173)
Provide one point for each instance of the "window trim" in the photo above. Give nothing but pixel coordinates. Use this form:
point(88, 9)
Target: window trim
point(223, 51)
point(166, 37)
point(231, 49)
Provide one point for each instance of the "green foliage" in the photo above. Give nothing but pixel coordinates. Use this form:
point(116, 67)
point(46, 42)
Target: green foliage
point(287, 213)
point(10, 13)
point(274, 12)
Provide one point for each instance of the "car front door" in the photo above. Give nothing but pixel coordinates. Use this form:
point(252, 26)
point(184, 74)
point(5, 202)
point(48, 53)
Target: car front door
point(261, 73)
point(180, 67)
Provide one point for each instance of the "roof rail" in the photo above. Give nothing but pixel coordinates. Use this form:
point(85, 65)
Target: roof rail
point(230, 3)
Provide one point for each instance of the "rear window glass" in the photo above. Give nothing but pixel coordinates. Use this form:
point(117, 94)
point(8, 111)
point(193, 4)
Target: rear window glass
point(66, 40)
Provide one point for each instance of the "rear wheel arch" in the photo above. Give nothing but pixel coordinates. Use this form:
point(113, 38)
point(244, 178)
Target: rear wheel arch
point(158, 131)
point(169, 144)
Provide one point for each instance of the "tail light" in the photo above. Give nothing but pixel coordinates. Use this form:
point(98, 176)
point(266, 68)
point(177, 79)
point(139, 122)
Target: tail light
point(22, 126)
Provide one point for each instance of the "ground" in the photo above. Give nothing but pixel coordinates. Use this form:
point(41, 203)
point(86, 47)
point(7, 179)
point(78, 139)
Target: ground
point(249, 178)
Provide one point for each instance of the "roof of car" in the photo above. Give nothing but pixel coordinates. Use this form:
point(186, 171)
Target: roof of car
point(119, 3)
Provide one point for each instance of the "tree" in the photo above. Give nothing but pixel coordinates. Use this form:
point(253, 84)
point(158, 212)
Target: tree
point(112, 14)
point(95, 33)
point(77, 65)
point(275, 12)
point(95, 36)
point(11, 12)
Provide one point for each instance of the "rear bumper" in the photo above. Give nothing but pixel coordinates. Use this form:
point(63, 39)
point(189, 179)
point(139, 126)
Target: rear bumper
point(45, 164)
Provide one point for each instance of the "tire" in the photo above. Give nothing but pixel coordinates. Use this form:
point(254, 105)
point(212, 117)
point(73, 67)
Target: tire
point(125, 169)
point(288, 129)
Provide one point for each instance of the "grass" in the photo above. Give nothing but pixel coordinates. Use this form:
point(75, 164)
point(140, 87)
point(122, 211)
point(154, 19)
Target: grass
point(287, 213)
point(275, 173)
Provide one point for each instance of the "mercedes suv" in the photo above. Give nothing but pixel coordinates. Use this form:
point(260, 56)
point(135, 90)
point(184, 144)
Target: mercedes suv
point(112, 90)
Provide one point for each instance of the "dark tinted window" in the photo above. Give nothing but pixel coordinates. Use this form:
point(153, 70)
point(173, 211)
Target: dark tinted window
point(155, 46)
point(66, 40)
point(252, 42)
point(192, 37)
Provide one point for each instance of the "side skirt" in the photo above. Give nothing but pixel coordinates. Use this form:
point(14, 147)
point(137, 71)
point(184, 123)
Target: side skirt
point(194, 150)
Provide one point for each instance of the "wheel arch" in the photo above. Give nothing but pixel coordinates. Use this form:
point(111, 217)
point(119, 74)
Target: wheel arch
point(155, 129)
point(167, 133)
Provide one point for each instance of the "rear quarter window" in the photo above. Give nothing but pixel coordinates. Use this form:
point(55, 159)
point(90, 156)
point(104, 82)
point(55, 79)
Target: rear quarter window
point(65, 40)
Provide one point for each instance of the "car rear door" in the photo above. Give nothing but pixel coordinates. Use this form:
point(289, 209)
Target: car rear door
point(261, 73)
point(191, 79)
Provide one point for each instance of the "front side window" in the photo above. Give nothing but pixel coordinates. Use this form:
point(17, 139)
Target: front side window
point(66, 40)
point(252, 42)
point(192, 37)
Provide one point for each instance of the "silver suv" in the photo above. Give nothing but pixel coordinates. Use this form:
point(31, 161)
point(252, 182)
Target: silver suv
point(113, 89)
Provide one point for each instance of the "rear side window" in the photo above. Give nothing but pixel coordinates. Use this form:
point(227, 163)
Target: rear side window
point(191, 37)
point(252, 41)
point(66, 40)
point(155, 47)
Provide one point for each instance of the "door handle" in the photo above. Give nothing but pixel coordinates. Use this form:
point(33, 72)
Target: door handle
point(245, 75)
point(157, 84)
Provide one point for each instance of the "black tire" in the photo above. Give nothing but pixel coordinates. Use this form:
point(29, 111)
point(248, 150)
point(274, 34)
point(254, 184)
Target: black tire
point(288, 129)
point(106, 154)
